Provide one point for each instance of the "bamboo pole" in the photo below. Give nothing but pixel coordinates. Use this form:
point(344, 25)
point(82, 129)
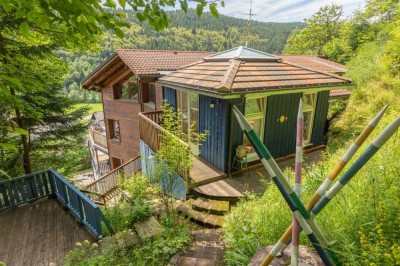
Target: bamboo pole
point(299, 211)
point(297, 182)
point(382, 138)
point(285, 238)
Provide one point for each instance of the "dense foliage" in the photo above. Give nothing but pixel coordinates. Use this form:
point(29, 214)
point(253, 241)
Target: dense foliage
point(126, 247)
point(362, 222)
point(186, 32)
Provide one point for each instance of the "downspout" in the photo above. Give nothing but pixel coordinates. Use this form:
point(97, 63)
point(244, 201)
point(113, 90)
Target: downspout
point(232, 117)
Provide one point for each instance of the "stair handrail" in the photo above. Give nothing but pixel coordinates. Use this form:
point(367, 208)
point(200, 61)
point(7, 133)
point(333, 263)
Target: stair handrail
point(93, 187)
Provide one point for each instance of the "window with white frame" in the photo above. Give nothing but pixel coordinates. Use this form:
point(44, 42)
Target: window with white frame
point(309, 103)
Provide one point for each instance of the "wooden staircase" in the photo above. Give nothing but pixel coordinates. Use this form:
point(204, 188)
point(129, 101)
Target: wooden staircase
point(206, 212)
point(105, 189)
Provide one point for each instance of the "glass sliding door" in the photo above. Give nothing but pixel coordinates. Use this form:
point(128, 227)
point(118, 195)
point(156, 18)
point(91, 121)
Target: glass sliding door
point(255, 113)
point(188, 105)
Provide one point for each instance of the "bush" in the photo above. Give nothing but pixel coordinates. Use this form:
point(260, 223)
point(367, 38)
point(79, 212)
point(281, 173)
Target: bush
point(139, 187)
point(125, 248)
point(124, 215)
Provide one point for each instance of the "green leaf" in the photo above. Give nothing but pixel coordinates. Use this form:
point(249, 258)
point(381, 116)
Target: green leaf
point(12, 80)
point(199, 9)
point(213, 10)
point(8, 146)
point(122, 3)
point(24, 28)
point(223, 3)
point(119, 33)
point(20, 13)
point(110, 3)
point(18, 130)
point(184, 6)
point(140, 17)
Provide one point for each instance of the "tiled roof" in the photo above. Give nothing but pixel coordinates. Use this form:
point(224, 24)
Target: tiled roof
point(339, 94)
point(151, 62)
point(315, 62)
point(241, 76)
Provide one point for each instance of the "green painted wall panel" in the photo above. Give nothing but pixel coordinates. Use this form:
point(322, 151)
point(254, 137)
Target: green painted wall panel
point(321, 112)
point(280, 137)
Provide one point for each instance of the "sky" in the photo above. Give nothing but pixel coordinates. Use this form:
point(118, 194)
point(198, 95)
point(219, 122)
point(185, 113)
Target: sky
point(284, 10)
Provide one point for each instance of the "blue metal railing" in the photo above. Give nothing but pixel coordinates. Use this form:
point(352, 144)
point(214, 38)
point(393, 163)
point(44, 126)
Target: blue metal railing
point(49, 183)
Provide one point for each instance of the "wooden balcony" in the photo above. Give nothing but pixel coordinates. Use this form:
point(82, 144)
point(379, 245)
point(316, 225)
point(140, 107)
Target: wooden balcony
point(98, 138)
point(153, 134)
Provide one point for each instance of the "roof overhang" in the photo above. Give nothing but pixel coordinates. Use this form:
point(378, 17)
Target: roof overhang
point(112, 70)
point(266, 91)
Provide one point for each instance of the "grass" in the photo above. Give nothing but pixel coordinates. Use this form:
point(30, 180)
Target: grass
point(94, 107)
point(362, 222)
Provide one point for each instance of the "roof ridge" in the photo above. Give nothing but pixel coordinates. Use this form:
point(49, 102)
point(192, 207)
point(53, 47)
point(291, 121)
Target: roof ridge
point(227, 80)
point(317, 71)
point(191, 64)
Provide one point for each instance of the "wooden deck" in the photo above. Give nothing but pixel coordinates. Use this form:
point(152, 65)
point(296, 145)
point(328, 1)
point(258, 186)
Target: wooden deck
point(251, 181)
point(40, 233)
point(203, 173)
point(227, 189)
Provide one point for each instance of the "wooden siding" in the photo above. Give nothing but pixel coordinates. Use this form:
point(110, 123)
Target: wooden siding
point(236, 137)
point(215, 149)
point(170, 96)
point(280, 138)
point(321, 112)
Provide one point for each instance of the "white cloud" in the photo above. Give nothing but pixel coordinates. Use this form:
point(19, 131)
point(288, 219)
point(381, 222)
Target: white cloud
point(284, 10)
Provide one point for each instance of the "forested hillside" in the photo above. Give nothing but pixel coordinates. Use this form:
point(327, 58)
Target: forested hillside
point(186, 32)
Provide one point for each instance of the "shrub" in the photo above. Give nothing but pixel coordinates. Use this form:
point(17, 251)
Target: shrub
point(124, 215)
point(125, 248)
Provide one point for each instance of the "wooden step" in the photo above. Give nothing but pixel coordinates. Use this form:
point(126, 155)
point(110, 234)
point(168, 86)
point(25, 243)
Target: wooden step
point(217, 207)
point(201, 217)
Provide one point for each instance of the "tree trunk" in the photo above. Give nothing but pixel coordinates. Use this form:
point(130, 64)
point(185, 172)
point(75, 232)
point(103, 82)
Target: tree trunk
point(25, 141)
point(24, 138)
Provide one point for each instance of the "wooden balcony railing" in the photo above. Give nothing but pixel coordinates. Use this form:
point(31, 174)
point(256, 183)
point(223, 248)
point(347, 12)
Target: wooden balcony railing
point(154, 135)
point(99, 138)
point(109, 182)
point(29, 188)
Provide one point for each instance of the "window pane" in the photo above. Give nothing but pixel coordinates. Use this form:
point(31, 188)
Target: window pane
point(254, 106)
point(183, 108)
point(129, 91)
point(307, 126)
point(194, 111)
point(309, 99)
point(257, 125)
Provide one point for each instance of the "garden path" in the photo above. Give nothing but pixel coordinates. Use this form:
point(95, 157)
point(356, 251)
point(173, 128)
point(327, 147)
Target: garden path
point(207, 249)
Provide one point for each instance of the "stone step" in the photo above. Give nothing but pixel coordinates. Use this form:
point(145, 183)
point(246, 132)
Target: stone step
point(188, 261)
point(201, 252)
point(206, 235)
point(201, 217)
point(217, 207)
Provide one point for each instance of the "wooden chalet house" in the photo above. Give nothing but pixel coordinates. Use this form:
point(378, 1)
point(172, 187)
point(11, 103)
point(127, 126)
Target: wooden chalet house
point(126, 82)
point(266, 88)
